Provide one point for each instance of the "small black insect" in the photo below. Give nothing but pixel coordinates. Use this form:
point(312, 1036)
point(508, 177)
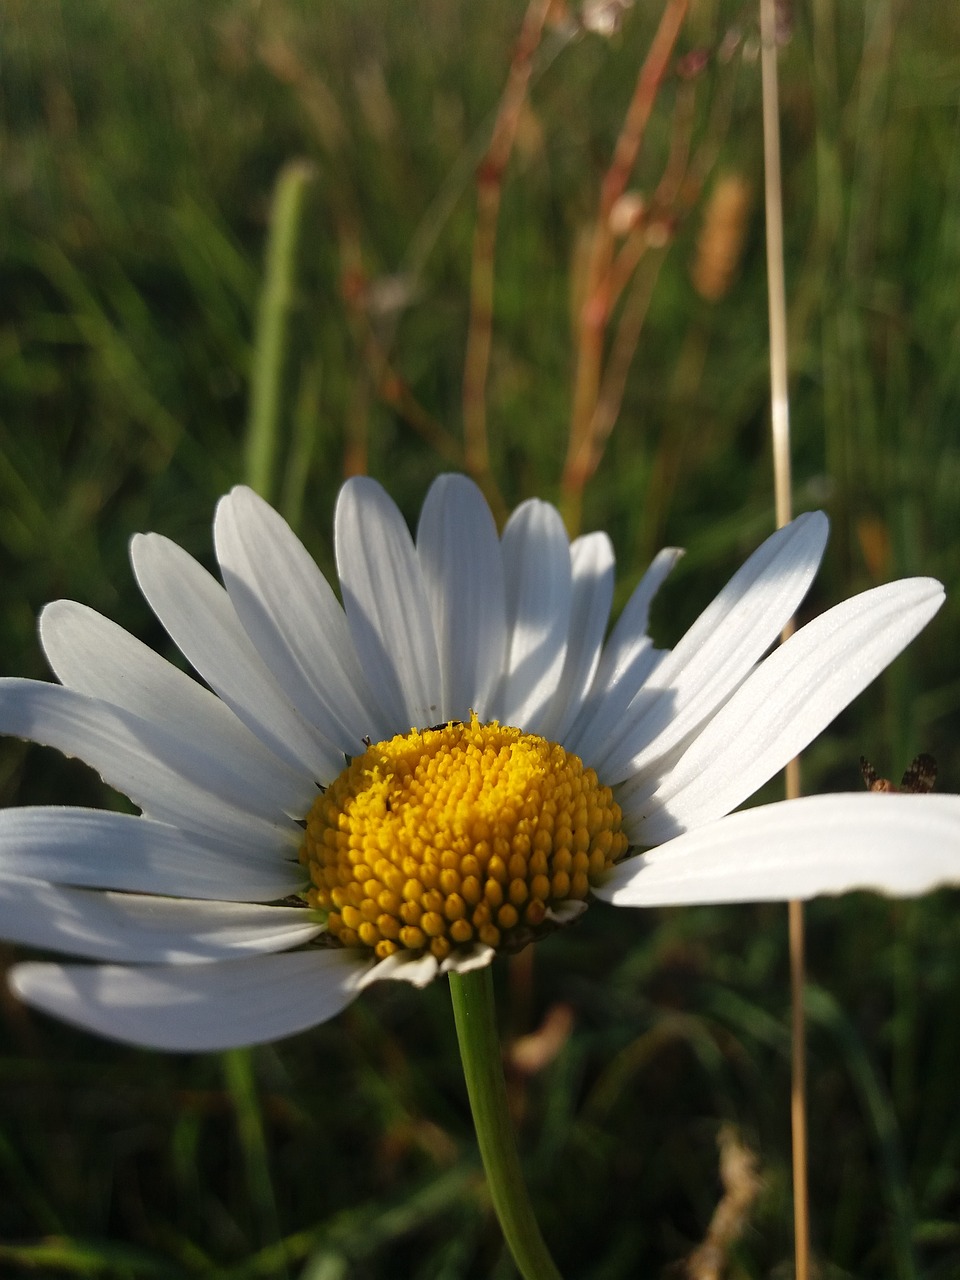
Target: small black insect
point(917, 780)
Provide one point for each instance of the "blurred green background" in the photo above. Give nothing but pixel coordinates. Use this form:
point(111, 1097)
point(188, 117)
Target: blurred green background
point(141, 148)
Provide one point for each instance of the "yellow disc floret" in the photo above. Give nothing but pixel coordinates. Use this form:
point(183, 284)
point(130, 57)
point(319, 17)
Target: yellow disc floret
point(466, 833)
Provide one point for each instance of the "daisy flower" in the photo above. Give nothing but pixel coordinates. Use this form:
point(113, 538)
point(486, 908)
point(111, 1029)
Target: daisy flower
point(446, 765)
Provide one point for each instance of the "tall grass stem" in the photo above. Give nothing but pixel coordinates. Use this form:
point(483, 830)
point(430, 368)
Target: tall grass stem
point(242, 1087)
point(265, 426)
point(780, 423)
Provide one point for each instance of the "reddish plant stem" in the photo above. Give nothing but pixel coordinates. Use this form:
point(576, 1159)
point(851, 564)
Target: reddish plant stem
point(613, 383)
point(678, 190)
point(376, 373)
point(598, 299)
point(671, 191)
point(489, 190)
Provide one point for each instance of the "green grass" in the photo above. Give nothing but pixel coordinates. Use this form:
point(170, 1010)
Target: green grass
point(142, 144)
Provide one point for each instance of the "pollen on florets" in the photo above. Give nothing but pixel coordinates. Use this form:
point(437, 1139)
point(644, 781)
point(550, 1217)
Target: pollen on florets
point(440, 838)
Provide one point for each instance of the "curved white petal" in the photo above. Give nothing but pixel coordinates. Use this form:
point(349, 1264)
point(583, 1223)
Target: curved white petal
point(199, 1007)
point(536, 561)
point(172, 779)
point(627, 660)
point(717, 652)
point(289, 611)
point(591, 564)
point(94, 656)
point(402, 966)
point(896, 844)
point(142, 929)
point(784, 704)
point(566, 912)
point(463, 575)
point(387, 605)
point(99, 850)
point(198, 616)
point(477, 956)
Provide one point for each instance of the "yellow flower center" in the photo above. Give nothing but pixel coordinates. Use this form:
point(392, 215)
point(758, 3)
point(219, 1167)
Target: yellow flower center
point(442, 837)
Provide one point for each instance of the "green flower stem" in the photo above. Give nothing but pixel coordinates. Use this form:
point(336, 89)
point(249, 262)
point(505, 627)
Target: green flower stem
point(473, 1013)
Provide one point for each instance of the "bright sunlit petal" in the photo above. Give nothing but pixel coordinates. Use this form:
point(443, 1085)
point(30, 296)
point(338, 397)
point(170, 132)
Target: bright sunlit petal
point(199, 618)
point(93, 656)
point(536, 560)
point(387, 604)
point(463, 572)
point(289, 611)
point(901, 845)
point(591, 562)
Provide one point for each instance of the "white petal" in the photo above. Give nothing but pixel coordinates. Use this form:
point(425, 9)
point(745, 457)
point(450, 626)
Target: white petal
point(717, 652)
point(591, 562)
point(143, 929)
point(627, 660)
point(289, 611)
point(787, 701)
point(199, 618)
point(421, 970)
point(94, 656)
point(387, 605)
point(536, 561)
point(896, 844)
point(402, 966)
point(463, 574)
point(172, 779)
point(88, 847)
point(200, 1007)
point(565, 913)
point(477, 956)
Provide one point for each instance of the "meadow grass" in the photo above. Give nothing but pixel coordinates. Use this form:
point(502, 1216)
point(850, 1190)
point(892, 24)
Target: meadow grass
point(145, 367)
